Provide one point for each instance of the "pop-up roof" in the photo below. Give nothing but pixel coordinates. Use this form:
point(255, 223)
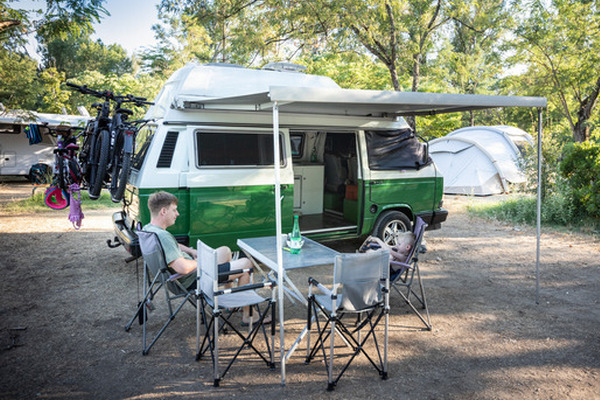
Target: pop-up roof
point(233, 88)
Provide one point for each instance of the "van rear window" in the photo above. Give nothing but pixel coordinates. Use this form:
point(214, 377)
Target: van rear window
point(234, 149)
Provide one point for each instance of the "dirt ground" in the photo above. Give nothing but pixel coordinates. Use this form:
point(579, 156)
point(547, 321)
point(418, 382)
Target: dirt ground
point(66, 298)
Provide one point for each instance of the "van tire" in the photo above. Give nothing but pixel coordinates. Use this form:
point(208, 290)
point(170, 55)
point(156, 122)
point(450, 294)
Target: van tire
point(391, 223)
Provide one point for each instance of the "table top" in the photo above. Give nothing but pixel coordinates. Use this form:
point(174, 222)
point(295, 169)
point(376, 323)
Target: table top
point(264, 249)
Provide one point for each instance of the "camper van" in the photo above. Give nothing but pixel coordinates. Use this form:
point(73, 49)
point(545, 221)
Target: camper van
point(212, 145)
point(17, 154)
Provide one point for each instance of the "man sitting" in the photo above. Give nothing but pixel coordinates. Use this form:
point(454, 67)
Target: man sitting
point(182, 259)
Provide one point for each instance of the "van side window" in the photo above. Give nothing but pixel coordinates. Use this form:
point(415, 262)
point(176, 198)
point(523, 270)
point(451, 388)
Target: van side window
point(395, 149)
point(143, 140)
point(235, 149)
point(10, 128)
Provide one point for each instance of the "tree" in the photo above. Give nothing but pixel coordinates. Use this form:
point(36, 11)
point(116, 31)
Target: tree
point(560, 42)
point(74, 54)
point(228, 31)
point(472, 58)
point(22, 84)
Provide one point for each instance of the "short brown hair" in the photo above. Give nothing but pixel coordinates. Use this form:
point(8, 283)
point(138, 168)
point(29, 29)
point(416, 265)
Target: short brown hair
point(158, 200)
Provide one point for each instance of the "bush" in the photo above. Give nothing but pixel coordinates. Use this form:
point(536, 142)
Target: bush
point(557, 210)
point(581, 169)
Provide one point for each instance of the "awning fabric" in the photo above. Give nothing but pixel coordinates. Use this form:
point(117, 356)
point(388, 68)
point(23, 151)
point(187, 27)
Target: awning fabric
point(360, 103)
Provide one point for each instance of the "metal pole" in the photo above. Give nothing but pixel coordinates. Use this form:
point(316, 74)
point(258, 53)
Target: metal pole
point(539, 208)
point(279, 243)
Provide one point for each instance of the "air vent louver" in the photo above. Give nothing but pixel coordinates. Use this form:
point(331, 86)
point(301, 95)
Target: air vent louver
point(166, 154)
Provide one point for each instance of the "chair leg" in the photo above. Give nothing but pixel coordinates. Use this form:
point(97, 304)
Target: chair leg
point(247, 341)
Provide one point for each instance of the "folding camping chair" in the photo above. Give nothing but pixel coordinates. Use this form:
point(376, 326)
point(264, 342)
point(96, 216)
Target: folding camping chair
point(403, 273)
point(156, 277)
point(212, 300)
point(361, 290)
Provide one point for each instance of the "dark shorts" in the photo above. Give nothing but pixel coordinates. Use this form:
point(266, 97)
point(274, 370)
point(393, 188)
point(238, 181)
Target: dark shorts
point(222, 268)
point(226, 267)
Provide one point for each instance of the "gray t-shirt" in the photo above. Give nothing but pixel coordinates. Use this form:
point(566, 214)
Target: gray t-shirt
point(172, 252)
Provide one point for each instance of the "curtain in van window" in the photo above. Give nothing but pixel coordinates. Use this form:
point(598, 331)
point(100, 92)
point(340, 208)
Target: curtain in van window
point(396, 149)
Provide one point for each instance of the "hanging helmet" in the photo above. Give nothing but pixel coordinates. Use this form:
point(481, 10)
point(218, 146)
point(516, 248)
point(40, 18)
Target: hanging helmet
point(56, 198)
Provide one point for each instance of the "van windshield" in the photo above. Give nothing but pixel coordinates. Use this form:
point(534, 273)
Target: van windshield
point(143, 140)
point(235, 149)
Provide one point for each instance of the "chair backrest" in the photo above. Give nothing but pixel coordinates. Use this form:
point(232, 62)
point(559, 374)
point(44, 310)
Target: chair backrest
point(207, 269)
point(360, 275)
point(418, 230)
point(155, 261)
point(152, 252)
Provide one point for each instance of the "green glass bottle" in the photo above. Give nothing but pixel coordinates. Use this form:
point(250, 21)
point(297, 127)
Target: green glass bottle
point(295, 238)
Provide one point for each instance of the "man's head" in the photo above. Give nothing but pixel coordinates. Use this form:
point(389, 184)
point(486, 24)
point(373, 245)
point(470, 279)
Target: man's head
point(163, 208)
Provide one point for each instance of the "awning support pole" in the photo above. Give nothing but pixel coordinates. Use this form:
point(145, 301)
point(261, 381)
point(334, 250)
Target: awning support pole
point(279, 243)
point(539, 208)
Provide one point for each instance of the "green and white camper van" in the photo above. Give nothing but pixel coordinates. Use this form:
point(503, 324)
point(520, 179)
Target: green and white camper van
point(345, 174)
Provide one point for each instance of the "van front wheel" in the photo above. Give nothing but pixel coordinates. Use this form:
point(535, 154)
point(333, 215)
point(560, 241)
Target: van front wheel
point(390, 224)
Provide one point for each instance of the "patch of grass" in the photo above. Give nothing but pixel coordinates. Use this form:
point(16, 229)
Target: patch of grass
point(519, 210)
point(36, 203)
point(557, 211)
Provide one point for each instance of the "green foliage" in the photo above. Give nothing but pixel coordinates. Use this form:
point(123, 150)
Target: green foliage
point(74, 55)
point(559, 41)
point(69, 17)
point(54, 99)
point(557, 210)
point(19, 87)
point(581, 168)
point(349, 70)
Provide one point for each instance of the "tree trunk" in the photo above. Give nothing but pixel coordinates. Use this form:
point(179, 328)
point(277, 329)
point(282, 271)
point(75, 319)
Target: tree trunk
point(416, 73)
point(581, 130)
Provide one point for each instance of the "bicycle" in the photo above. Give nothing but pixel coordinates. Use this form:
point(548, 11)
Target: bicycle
point(94, 155)
point(122, 144)
point(67, 170)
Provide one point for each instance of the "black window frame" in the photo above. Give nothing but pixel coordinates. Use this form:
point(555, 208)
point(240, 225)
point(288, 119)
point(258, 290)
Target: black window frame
point(282, 152)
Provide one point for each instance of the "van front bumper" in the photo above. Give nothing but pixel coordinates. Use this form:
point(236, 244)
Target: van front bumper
point(434, 219)
point(125, 235)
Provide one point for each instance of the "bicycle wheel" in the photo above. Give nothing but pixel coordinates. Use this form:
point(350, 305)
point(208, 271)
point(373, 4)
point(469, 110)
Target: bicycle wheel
point(102, 149)
point(60, 172)
point(120, 178)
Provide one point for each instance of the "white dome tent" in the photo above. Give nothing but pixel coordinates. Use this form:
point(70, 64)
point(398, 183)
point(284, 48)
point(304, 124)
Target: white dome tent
point(480, 160)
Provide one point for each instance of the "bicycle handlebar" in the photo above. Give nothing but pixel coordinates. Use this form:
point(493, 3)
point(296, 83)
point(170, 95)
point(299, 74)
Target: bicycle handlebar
point(109, 95)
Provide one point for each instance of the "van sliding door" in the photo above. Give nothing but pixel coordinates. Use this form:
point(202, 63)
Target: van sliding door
point(232, 184)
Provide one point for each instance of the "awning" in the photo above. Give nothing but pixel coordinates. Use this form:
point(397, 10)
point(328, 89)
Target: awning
point(359, 103)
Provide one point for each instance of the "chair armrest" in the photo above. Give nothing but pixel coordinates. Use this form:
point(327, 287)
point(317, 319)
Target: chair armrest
point(315, 283)
point(400, 265)
point(236, 271)
point(243, 288)
point(174, 277)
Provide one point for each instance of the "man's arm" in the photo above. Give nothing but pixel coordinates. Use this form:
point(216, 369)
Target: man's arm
point(188, 250)
point(183, 266)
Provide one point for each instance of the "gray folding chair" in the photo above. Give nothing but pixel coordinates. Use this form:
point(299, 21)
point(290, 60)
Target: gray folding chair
point(403, 274)
point(213, 301)
point(360, 290)
point(157, 276)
